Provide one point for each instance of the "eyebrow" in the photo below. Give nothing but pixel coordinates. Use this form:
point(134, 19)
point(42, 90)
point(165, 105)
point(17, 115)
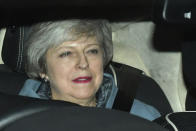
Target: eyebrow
point(71, 46)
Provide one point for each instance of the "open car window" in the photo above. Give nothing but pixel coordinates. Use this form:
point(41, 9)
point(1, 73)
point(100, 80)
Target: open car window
point(147, 36)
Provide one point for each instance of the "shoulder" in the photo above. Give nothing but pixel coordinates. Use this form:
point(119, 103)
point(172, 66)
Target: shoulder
point(144, 110)
point(138, 108)
point(30, 87)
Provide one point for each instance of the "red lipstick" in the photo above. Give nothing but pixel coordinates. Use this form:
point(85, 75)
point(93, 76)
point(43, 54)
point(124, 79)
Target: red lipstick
point(85, 79)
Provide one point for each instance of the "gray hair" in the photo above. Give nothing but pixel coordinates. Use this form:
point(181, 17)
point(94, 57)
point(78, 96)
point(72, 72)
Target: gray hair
point(46, 35)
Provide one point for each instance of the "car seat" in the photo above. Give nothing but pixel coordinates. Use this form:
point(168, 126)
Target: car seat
point(128, 78)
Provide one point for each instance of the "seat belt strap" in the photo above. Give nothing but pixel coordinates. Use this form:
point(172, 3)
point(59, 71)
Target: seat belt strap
point(122, 102)
point(128, 82)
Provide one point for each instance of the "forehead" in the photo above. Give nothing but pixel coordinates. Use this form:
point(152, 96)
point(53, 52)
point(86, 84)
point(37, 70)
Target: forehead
point(84, 41)
point(81, 43)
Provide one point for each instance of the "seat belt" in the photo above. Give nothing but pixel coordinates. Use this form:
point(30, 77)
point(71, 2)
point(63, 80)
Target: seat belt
point(128, 80)
point(122, 102)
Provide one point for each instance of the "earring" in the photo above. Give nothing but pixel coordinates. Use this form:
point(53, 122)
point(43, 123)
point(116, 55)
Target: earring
point(45, 80)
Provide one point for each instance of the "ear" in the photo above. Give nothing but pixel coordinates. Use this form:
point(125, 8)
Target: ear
point(43, 76)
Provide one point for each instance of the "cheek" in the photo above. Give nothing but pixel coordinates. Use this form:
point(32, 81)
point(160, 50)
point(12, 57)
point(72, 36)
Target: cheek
point(97, 68)
point(59, 70)
point(97, 64)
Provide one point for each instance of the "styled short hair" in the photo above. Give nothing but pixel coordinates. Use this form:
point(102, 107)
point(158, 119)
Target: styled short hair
point(46, 35)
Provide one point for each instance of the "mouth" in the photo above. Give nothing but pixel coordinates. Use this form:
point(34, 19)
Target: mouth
point(85, 79)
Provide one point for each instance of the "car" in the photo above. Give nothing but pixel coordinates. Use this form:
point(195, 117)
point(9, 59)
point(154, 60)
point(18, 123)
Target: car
point(147, 40)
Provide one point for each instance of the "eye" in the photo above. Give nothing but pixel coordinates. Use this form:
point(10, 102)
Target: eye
point(65, 54)
point(93, 51)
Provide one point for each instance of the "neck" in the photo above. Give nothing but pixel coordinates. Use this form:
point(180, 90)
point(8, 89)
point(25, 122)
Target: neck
point(91, 103)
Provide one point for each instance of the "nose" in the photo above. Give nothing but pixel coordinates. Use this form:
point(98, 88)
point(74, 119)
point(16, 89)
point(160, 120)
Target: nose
point(83, 62)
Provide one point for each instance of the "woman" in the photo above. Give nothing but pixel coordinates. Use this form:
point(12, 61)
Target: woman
point(70, 56)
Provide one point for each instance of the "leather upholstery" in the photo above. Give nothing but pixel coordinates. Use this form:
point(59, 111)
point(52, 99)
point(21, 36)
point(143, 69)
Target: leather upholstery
point(14, 47)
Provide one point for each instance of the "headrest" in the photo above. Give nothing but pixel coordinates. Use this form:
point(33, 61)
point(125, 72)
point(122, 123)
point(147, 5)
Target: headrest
point(13, 47)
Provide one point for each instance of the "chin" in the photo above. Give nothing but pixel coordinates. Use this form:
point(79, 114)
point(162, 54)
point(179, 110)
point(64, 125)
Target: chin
point(85, 95)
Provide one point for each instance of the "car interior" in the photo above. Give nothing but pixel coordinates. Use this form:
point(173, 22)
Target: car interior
point(154, 51)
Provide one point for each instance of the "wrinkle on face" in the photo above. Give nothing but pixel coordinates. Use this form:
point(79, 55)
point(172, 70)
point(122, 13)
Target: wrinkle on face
point(63, 67)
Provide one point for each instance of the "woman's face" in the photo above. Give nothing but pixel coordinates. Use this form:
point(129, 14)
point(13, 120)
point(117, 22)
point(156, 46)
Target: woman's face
point(75, 70)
